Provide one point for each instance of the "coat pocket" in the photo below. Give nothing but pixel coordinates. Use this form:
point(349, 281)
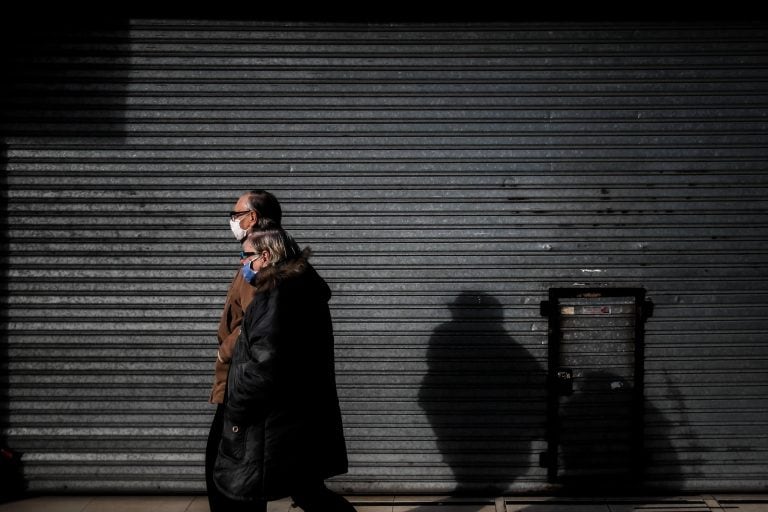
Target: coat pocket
point(233, 437)
point(238, 471)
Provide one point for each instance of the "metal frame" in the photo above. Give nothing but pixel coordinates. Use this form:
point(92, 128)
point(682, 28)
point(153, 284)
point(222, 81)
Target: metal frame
point(551, 309)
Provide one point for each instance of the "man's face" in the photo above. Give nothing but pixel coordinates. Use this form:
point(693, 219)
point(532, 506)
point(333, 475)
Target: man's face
point(247, 218)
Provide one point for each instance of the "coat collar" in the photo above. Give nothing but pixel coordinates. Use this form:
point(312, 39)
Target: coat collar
point(270, 277)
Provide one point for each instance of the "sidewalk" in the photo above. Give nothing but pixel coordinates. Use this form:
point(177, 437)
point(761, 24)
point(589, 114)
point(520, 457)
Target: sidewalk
point(693, 503)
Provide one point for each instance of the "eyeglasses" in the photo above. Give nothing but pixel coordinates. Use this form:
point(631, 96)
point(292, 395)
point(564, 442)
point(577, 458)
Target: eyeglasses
point(244, 254)
point(235, 215)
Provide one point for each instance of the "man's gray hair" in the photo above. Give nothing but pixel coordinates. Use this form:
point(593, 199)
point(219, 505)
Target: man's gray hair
point(266, 205)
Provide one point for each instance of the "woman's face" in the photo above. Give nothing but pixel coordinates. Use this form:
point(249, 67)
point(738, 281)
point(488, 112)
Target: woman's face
point(246, 252)
point(258, 260)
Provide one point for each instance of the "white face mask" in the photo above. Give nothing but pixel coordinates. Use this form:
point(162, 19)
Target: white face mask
point(239, 232)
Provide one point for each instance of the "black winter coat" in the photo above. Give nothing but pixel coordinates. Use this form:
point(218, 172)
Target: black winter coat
point(282, 423)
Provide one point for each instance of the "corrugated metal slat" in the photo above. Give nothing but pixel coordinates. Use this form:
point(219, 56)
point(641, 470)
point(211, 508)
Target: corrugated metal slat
point(446, 175)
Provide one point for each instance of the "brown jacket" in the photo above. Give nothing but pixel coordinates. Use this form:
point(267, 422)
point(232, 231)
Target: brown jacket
point(239, 296)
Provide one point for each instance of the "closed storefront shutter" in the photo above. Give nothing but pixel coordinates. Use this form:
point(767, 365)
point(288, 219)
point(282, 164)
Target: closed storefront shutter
point(445, 175)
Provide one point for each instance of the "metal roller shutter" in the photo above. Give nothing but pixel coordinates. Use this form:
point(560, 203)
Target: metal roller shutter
point(445, 175)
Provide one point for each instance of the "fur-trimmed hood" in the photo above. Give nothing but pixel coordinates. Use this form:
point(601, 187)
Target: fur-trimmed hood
point(270, 277)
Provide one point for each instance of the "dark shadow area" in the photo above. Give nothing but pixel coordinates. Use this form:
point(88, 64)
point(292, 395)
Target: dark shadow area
point(64, 78)
point(63, 82)
point(596, 453)
point(485, 397)
point(12, 483)
point(671, 442)
point(408, 12)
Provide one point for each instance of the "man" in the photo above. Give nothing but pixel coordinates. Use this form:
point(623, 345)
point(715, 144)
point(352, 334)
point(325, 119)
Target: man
point(257, 208)
point(254, 209)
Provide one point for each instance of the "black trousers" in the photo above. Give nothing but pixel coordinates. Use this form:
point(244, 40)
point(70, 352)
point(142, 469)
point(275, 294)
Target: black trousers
point(315, 497)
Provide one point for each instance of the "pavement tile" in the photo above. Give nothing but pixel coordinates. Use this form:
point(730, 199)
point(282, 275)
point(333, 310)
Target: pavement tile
point(442, 504)
point(364, 499)
point(199, 504)
point(747, 507)
point(390, 503)
point(742, 502)
point(418, 498)
point(139, 504)
point(371, 503)
point(361, 504)
point(283, 505)
point(586, 506)
point(48, 504)
point(445, 507)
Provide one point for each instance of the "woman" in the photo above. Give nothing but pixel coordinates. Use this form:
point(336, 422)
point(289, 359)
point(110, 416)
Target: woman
point(282, 433)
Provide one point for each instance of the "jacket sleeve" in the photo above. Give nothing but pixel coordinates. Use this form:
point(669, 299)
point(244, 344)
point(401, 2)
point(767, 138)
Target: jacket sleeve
point(255, 379)
point(232, 316)
point(239, 297)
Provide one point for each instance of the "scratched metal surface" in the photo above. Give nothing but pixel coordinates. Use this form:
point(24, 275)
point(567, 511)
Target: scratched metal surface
point(445, 175)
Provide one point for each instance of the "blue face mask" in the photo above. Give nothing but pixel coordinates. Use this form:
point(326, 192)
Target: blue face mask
point(248, 273)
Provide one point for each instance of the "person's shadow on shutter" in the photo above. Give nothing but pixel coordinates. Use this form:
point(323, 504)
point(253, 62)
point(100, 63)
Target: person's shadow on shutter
point(484, 395)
